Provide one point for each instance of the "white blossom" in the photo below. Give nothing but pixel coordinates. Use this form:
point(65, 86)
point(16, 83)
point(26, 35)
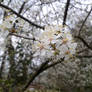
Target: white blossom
point(55, 41)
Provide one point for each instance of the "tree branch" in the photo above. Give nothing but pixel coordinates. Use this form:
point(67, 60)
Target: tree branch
point(53, 64)
point(85, 43)
point(83, 50)
point(35, 75)
point(22, 7)
point(23, 37)
point(2, 66)
point(85, 21)
point(66, 10)
point(6, 7)
point(84, 56)
point(42, 68)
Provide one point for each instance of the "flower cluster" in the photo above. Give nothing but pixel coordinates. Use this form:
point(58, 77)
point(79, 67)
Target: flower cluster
point(11, 23)
point(55, 41)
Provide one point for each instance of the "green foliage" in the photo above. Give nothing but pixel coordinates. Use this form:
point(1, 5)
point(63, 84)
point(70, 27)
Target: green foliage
point(1, 89)
point(6, 83)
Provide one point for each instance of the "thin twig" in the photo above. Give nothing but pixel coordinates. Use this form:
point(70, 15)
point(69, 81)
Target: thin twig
point(85, 43)
point(84, 21)
point(23, 37)
point(22, 7)
point(84, 56)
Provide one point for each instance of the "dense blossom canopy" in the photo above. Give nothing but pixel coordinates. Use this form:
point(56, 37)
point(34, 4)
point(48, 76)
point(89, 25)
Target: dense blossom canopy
point(54, 41)
point(36, 35)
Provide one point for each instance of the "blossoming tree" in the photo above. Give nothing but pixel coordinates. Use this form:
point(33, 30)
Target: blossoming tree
point(33, 39)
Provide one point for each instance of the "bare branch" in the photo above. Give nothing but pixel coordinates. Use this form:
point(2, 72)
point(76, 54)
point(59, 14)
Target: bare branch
point(2, 66)
point(79, 8)
point(42, 68)
point(22, 7)
point(29, 7)
point(66, 10)
point(83, 50)
point(23, 37)
point(53, 64)
point(85, 43)
point(84, 56)
point(6, 7)
point(9, 2)
point(85, 21)
point(35, 75)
